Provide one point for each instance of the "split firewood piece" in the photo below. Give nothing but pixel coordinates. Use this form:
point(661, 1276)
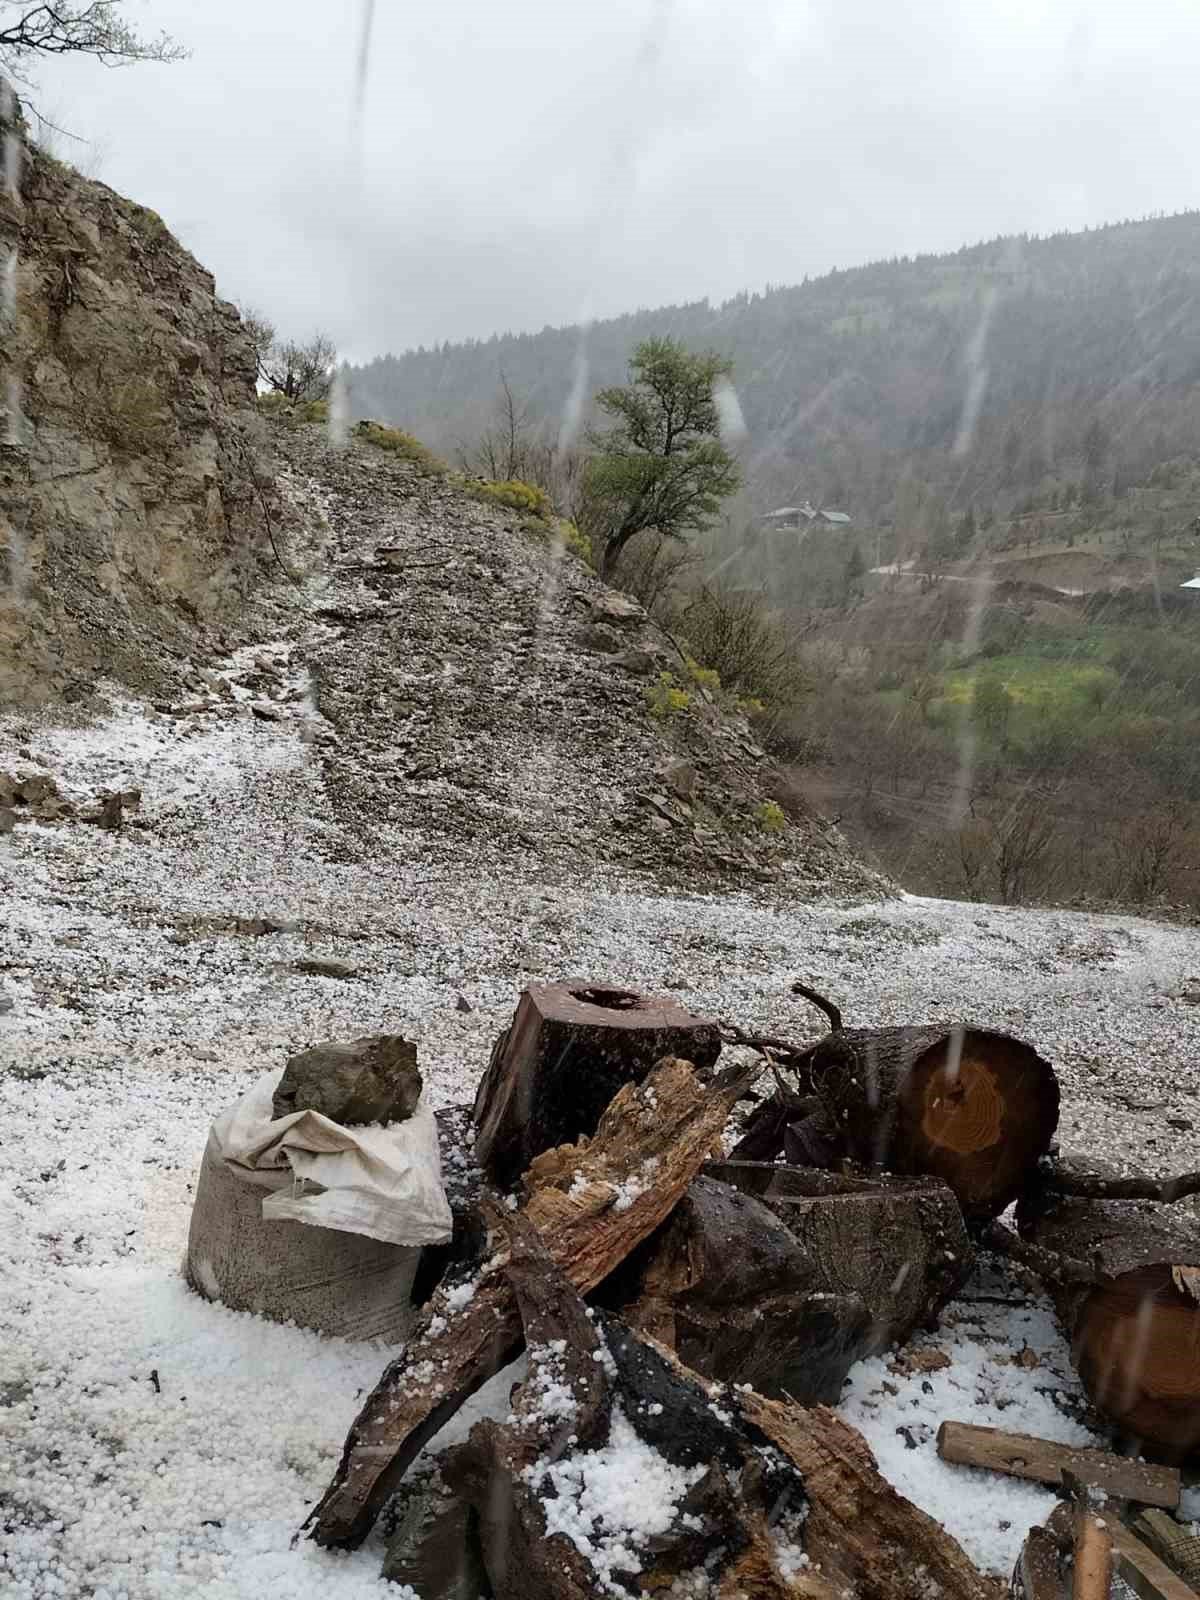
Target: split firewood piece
point(733, 1292)
point(860, 1531)
point(1173, 1543)
point(1021, 1455)
point(564, 1404)
point(1039, 1573)
point(973, 1107)
point(546, 1483)
point(568, 1050)
point(593, 1203)
point(1126, 1293)
point(899, 1245)
point(1091, 1546)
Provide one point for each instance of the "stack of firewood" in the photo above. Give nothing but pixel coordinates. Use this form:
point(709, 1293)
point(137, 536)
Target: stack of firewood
point(688, 1317)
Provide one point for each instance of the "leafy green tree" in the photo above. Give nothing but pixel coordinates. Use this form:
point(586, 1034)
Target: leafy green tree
point(661, 467)
point(94, 28)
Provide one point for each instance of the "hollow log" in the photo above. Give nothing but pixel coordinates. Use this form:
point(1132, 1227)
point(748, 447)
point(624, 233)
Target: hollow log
point(593, 1202)
point(973, 1107)
point(1130, 1304)
point(568, 1050)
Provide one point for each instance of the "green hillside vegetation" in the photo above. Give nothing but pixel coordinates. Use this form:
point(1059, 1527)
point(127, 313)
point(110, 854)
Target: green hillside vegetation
point(1079, 355)
point(991, 675)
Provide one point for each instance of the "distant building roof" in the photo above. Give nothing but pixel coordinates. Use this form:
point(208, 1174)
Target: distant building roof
point(786, 513)
point(809, 513)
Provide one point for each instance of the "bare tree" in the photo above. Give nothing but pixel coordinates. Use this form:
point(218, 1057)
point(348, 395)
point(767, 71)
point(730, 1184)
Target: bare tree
point(59, 28)
point(506, 450)
point(297, 371)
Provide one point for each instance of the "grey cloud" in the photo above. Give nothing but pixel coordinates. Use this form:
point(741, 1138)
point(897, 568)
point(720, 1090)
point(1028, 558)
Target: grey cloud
point(541, 161)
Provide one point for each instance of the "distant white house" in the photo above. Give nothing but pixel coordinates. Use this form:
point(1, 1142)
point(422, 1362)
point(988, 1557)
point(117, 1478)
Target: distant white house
point(805, 516)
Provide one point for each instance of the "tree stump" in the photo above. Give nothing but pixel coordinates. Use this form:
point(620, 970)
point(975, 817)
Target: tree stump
point(727, 1287)
point(784, 1277)
point(1127, 1289)
point(570, 1047)
point(976, 1108)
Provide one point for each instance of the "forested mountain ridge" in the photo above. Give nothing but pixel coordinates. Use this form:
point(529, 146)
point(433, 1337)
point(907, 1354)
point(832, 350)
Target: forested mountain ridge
point(979, 373)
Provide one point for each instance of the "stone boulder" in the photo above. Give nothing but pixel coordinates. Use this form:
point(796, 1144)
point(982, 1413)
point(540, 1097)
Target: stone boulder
point(372, 1079)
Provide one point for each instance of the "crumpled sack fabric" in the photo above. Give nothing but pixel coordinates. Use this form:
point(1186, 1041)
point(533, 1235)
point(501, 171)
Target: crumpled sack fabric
point(384, 1182)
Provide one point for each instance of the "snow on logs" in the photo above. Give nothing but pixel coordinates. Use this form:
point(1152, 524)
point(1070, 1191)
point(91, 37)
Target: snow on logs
point(592, 1203)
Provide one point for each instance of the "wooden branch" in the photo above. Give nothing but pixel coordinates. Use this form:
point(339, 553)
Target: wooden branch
point(1021, 1455)
point(822, 1004)
point(593, 1203)
point(1068, 1178)
point(1049, 1265)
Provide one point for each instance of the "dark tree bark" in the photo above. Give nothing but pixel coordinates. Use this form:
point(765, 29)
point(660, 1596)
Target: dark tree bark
point(788, 1290)
point(733, 1293)
point(570, 1047)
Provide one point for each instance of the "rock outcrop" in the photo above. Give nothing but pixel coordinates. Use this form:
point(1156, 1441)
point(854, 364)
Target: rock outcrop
point(130, 509)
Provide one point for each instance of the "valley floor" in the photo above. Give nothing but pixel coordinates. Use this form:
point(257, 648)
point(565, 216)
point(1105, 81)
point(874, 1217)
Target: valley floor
point(153, 1445)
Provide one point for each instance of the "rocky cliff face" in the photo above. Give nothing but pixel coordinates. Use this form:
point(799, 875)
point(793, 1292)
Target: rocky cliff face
point(129, 506)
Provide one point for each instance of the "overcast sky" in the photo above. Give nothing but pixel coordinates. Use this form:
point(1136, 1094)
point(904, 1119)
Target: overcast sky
point(522, 162)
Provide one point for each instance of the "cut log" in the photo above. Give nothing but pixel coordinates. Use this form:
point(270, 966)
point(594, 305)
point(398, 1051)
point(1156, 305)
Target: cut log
point(1130, 1306)
point(1171, 1543)
point(973, 1107)
point(568, 1050)
point(1021, 1455)
point(593, 1203)
point(899, 1245)
point(728, 1287)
